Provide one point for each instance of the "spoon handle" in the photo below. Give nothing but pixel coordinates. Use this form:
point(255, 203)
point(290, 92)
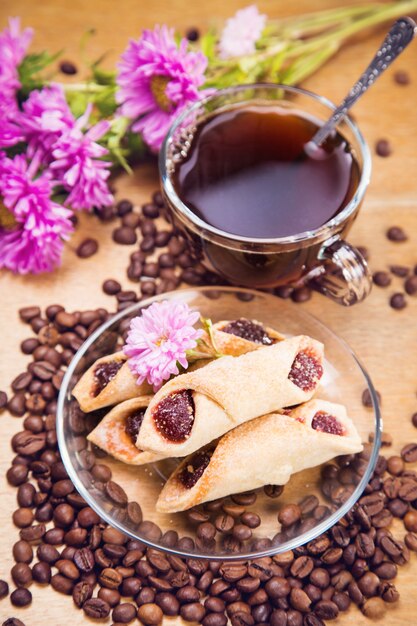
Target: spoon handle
point(397, 39)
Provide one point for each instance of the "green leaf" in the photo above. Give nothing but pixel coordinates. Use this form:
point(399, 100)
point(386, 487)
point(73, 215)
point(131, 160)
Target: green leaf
point(208, 45)
point(103, 77)
point(30, 71)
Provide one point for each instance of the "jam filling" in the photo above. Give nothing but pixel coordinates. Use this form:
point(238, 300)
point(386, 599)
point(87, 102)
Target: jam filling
point(133, 424)
point(305, 371)
point(174, 416)
point(194, 469)
point(246, 329)
point(104, 373)
point(326, 423)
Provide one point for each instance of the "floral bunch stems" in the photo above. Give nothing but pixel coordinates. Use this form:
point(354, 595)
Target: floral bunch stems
point(292, 49)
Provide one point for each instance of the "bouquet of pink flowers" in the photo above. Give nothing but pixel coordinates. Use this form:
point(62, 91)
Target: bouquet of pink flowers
point(58, 142)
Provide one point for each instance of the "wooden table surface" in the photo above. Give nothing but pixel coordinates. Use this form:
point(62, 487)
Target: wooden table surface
point(385, 339)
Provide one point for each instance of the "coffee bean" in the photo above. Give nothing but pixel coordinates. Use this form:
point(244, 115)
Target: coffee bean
point(123, 207)
point(410, 285)
point(188, 594)
point(33, 533)
point(367, 398)
point(87, 248)
point(23, 517)
point(150, 531)
point(383, 148)
point(4, 589)
point(150, 614)
point(13, 621)
point(302, 567)
point(41, 573)
point(150, 210)
point(289, 515)
point(21, 574)
point(224, 523)
point(17, 404)
point(192, 612)
point(47, 553)
point(67, 67)
point(401, 77)
point(399, 270)
point(273, 491)
point(300, 600)
point(124, 613)
point(241, 532)
point(21, 597)
point(326, 609)
point(84, 559)
point(398, 301)
point(116, 493)
point(27, 313)
point(96, 608)
point(242, 619)
point(302, 294)
point(168, 603)
point(396, 234)
point(381, 279)
point(124, 235)
point(373, 608)
point(17, 475)
point(409, 453)
point(82, 592)
point(111, 287)
point(277, 587)
point(3, 397)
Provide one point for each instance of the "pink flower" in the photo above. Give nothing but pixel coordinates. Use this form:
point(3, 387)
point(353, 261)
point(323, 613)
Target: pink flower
point(157, 80)
point(13, 46)
point(79, 167)
point(45, 116)
point(241, 33)
point(10, 133)
point(32, 226)
point(159, 339)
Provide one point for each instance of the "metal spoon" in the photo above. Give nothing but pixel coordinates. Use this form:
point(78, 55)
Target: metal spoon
point(397, 39)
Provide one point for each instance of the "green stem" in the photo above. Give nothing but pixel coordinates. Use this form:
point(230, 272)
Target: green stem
point(383, 14)
point(83, 87)
point(314, 21)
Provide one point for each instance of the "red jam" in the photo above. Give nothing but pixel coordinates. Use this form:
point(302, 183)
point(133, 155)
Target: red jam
point(326, 423)
point(133, 424)
point(174, 416)
point(246, 329)
point(103, 374)
point(194, 469)
point(305, 371)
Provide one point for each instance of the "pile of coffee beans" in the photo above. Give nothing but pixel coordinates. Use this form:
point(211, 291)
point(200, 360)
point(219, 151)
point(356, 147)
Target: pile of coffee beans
point(63, 543)
point(407, 275)
point(162, 259)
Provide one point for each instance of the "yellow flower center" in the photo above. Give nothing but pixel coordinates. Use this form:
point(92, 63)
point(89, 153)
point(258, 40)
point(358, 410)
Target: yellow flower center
point(7, 219)
point(161, 340)
point(158, 87)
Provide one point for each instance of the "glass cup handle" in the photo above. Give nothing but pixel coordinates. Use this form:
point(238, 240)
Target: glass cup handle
point(343, 274)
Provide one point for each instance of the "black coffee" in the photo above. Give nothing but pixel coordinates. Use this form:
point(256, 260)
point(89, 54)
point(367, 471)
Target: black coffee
point(244, 175)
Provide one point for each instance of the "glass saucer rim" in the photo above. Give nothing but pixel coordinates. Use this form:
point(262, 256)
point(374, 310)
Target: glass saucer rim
point(290, 544)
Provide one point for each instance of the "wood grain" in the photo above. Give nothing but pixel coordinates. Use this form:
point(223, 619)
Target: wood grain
point(384, 339)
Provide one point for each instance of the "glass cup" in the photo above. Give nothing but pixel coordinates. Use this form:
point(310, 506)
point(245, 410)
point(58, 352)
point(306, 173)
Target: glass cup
point(321, 257)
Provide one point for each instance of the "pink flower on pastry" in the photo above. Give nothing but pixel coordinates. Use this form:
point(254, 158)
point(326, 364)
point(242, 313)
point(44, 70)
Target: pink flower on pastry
point(158, 341)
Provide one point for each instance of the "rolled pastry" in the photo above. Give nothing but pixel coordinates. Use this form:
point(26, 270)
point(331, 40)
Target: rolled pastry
point(192, 409)
point(117, 432)
point(266, 450)
point(109, 380)
point(239, 336)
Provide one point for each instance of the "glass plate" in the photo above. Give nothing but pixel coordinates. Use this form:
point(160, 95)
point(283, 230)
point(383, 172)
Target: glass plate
point(335, 489)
